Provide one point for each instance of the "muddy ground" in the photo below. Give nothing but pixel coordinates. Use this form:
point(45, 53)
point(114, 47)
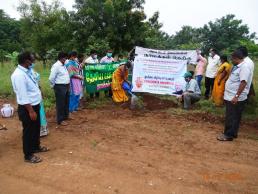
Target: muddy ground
point(115, 150)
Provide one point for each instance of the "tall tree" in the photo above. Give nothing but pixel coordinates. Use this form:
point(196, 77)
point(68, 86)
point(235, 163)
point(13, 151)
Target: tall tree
point(225, 33)
point(9, 35)
point(118, 24)
point(154, 36)
point(44, 27)
point(187, 38)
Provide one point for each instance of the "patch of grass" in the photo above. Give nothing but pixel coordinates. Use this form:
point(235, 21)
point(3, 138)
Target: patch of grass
point(208, 106)
point(98, 103)
point(94, 143)
point(253, 137)
point(6, 71)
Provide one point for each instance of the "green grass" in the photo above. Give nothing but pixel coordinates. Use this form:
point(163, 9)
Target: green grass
point(202, 106)
point(5, 80)
point(6, 90)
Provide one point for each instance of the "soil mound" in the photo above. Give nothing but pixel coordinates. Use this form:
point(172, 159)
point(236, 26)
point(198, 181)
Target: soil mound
point(152, 102)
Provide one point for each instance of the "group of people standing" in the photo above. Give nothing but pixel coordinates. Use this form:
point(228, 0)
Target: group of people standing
point(66, 79)
point(225, 83)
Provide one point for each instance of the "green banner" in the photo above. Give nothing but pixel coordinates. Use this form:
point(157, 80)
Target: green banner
point(98, 77)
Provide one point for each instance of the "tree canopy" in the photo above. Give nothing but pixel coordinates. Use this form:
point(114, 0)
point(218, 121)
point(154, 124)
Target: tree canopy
point(110, 24)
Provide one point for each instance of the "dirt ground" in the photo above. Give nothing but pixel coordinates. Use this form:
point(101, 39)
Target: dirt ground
point(117, 151)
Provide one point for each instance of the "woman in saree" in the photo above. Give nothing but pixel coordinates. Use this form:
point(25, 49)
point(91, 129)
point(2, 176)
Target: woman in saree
point(75, 83)
point(220, 80)
point(120, 83)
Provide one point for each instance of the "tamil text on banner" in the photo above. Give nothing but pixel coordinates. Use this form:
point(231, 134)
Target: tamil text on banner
point(158, 75)
point(186, 55)
point(98, 77)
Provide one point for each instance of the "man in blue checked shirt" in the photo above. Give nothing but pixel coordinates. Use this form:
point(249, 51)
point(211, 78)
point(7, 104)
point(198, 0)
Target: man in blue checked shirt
point(28, 96)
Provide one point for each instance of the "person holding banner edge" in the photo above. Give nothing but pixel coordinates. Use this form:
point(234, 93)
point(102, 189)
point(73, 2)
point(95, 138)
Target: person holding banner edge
point(200, 67)
point(211, 72)
point(93, 59)
point(106, 60)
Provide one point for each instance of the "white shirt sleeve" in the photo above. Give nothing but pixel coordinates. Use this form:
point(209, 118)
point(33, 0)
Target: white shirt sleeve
point(244, 74)
point(102, 60)
point(53, 74)
point(88, 60)
point(20, 88)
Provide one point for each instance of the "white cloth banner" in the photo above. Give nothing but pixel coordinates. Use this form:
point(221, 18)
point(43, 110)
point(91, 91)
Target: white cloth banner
point(158, 75)
point(187, 55)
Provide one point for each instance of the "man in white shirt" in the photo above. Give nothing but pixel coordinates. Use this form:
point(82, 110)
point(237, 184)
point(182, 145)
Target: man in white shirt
point(250, 64)
point(28, 96)
point(108, 58)
point(93, 59)
point(60, 81)
point(211, 72)
point(236, 90)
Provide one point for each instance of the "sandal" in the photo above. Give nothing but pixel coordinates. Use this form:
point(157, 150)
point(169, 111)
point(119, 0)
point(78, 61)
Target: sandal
point(42, 149)
point(63, 123)
point(223, 137)
point(3, 127)
point(33, 159)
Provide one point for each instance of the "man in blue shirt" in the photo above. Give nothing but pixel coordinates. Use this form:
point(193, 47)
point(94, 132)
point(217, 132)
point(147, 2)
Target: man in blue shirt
point(28, 96)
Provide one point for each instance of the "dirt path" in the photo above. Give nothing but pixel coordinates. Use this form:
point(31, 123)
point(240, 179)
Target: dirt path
point(117, 151)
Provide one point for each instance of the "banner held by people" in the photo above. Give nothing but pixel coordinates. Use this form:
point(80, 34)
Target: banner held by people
point(185, 55)
point(160, 72)
point(98, 77)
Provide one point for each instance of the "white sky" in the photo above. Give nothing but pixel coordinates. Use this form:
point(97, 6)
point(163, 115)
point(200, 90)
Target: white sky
point(176, 13)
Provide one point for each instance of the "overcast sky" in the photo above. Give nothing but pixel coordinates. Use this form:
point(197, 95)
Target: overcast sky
point(176, 13)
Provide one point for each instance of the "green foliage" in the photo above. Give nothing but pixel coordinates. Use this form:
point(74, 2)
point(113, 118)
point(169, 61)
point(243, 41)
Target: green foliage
point(118, 24)
point(187, 36)
point(51, 55)
point(2, 55)
point(13, 57)
point(225, 34)
point(251, 46)
point(100, 45)
point(9, 34)
point(154, 37)
point(45, 27)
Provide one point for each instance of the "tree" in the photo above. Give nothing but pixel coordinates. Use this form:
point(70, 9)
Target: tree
point(154, 37)
point(9, 34)
point(187, 38)
point(251, 47)
point(13, 57)
point(118, 24)
point(44, 27)
point(225, 33)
